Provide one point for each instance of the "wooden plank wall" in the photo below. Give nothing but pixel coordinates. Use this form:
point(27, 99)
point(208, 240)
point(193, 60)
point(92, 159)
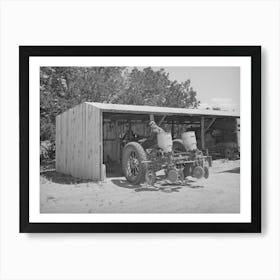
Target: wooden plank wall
point(58, 143)
point(111, 141)
point(93, 142)
point(113, 131)
point(78, 142)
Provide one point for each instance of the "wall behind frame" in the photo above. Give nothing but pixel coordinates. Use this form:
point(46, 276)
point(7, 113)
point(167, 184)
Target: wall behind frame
point(123, 256)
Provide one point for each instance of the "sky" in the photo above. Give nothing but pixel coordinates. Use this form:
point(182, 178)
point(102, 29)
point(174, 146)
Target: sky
point(215, 86)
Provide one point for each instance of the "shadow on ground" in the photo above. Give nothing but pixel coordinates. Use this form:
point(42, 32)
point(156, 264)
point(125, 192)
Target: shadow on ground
point(60, 178)
point(113, 170)
point(161, 186)
point(234, 170)
point(169, 189)
point(124, 184)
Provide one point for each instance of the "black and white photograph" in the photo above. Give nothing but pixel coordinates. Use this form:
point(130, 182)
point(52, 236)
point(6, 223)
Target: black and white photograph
point(140, 139)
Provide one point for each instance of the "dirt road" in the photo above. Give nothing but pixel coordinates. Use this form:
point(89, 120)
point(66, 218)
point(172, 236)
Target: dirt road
point(218, 194)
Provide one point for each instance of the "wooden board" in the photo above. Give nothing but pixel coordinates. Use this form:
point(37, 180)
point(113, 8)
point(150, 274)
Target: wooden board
point(57, 143)
point(93, 145)
point(78, 142)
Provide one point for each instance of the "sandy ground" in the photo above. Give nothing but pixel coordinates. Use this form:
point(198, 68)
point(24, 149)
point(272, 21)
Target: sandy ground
point(218, 194)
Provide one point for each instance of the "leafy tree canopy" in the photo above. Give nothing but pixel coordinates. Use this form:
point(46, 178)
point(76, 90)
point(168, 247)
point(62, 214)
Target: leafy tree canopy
point(64, 87)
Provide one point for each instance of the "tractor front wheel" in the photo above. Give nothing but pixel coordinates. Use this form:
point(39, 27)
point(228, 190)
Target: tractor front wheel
point(132, 163)
point(198, 172)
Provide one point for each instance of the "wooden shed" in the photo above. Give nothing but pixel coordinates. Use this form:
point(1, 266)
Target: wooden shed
point(91, 134)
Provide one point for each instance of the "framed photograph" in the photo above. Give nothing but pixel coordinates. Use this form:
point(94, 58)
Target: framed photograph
point(140, 139)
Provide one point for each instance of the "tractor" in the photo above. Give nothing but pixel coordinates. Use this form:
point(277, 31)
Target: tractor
point(179, 158)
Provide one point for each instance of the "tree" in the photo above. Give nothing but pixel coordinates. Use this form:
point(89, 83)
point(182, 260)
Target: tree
point(64, 87)
point(146, 87)
point(150, 87)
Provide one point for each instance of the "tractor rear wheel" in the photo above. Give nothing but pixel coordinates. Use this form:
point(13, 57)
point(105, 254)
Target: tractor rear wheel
point(132, 163)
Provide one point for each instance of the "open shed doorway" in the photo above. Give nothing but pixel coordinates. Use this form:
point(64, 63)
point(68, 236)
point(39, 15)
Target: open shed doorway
point(121, 128)
point(118, 130)
point(212, 133)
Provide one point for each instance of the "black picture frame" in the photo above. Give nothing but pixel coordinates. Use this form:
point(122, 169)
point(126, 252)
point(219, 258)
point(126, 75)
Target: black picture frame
point(25, 52)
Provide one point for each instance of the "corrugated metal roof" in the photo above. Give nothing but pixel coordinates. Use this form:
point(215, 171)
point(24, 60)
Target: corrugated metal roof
point(137, 109)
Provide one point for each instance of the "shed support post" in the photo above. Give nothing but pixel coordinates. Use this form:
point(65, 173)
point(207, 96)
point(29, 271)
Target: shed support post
point(210, 124)
point(152, 118)
point(162, 120)
point(202, 133)
point(237, 124)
